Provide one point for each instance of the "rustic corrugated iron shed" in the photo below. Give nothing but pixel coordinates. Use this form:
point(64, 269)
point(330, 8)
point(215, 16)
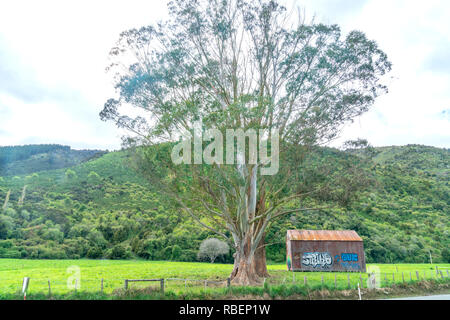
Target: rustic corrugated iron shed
point(325, 250)
point(323, 235)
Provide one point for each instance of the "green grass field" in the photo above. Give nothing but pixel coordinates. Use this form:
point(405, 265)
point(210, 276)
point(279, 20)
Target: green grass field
point(113, 272)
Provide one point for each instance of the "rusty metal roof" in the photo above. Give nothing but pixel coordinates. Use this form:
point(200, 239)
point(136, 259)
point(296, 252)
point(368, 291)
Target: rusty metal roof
point(323, 235)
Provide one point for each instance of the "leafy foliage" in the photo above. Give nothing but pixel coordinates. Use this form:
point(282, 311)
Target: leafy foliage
point(402, 214)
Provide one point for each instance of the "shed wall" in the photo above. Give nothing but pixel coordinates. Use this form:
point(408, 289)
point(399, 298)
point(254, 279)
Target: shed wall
point(345, 256)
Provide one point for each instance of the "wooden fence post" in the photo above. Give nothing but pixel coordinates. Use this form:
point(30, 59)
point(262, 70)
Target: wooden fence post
point(410, 276)
point(403, 277)
point(442, 275)
point(393, 278)
point(322, 281)
point(49, 289)
point(101, 286)
point(385, 277)
point(437, 270)
point(448, 273)
point(229, 282)
point(335, 282)
point(206, 283)
point(162, 285)
point(417, 274)
point(348, 280)
point(125, 286)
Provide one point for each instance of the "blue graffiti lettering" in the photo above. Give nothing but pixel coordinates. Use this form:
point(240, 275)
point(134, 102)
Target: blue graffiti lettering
point(349, 257)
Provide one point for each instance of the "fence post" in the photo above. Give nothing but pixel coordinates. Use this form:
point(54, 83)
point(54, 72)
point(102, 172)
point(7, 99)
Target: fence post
point(361, 281)
point(359, 292)
point(229, 282)
point(206, 283)
point(49, 289)
point(448, 273)
point(322, 281)
point(442, 275)
point(437, 270)
point(162, 286)
point(25, 283)
point(410, 276)
point(403, 277)
point(335, 282)
point(306, 281)
point(125, 286)
point(417, 274)
point(393, 278)
point(101, 287)
point(348, 280)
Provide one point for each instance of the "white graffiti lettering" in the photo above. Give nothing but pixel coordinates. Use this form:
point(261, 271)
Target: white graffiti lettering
point(317, 259)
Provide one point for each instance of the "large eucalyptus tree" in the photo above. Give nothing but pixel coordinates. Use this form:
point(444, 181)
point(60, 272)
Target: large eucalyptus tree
point(239, 64)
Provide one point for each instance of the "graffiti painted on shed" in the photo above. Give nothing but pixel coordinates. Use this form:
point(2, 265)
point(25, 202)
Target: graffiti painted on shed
point(317, 259)
point(348, 261)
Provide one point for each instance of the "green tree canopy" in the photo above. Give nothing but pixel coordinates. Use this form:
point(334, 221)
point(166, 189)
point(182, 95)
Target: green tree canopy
point(238, 64)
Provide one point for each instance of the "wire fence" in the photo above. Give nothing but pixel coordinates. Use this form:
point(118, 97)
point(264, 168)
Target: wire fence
point(329, 280)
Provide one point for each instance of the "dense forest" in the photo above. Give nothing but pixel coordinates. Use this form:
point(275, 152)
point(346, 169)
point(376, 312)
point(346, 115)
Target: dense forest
point(32, 158)
point(60, 203)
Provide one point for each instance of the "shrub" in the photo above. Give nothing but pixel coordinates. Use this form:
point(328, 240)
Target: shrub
point(118, 252)
point(94, 253)
point(176, 252)
point(212, 248)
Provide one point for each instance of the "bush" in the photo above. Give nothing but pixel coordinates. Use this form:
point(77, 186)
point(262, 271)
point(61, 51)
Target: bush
point(446, 255)
point(118, 252)
point(94, 253)
point(176, 252)
point(212, 248)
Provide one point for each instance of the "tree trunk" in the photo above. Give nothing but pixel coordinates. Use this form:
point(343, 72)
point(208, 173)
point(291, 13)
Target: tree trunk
point(236, 265)
point(250, 270)
point(246, 272)
point(260, 259)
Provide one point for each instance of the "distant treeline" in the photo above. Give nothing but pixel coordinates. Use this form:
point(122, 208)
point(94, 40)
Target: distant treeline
point(14, 153)
point(34, 158)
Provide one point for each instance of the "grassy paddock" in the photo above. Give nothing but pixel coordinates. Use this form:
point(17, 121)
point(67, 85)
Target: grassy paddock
point(113, 272)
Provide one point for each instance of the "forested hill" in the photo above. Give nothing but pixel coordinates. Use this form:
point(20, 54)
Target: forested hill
point(27, 159)
point(73, 207)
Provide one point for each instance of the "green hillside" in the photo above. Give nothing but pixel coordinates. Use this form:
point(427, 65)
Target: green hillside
point(27, 159)
point(102, 208)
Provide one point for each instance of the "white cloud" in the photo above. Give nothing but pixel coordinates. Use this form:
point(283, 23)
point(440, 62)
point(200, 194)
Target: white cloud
point(53, 55)
point(55, 59)
point(411, 33)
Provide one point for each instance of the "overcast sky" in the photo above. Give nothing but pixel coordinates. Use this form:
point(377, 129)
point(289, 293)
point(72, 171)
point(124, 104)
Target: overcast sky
point(53, 56)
